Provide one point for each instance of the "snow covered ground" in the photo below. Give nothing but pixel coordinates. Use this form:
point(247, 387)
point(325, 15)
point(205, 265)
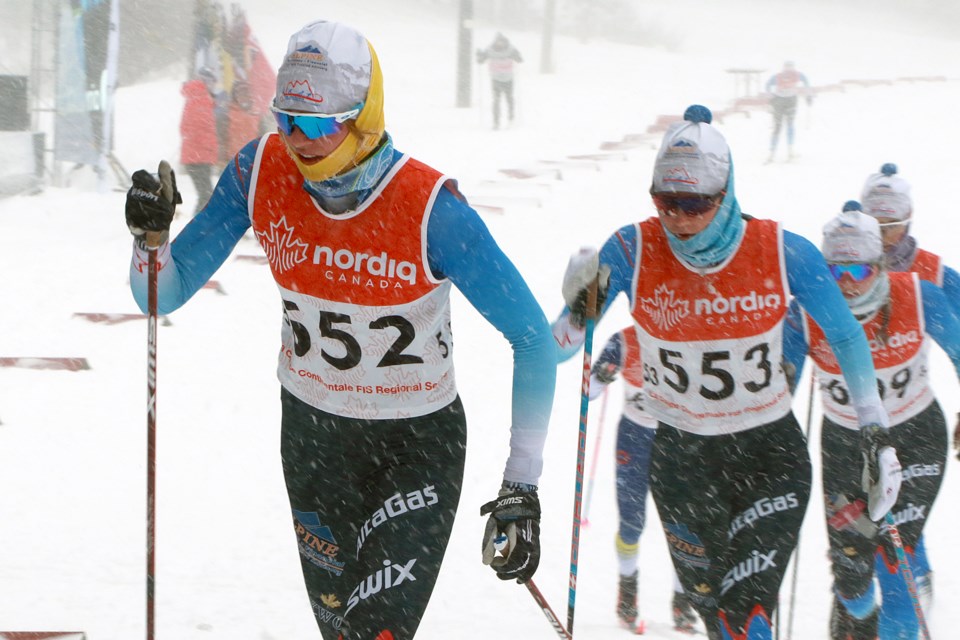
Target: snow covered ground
point(72, 444)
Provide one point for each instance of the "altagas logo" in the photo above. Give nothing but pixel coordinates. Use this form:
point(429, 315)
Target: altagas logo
point(664, 309)
point(283, 250)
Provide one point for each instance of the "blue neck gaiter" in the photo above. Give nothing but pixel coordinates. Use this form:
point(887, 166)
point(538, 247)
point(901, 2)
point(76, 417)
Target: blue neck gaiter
point(718, 241)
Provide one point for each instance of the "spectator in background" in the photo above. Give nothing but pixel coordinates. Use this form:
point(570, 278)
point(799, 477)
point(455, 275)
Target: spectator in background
point(198, 136)
point(500, 57)
point(244, 121)
point(784, 88)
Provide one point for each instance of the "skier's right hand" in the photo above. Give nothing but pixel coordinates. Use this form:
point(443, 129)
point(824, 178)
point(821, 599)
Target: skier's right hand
point(511, 539)
point(882, 475)
point(151, 203)
point(582, 270)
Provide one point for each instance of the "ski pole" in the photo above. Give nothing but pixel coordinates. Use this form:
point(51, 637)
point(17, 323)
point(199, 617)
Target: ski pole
point(152, 240)
point(547, 611)
point(907, 574)
point(593, 461)
point(591, 313)
point(796, 555)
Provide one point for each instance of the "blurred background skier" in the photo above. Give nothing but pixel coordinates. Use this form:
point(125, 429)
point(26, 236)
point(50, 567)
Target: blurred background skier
point(784, 88)
point(501, 57)
point(635, 433)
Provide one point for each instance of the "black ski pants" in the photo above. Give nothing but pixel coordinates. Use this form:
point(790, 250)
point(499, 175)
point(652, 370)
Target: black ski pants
point(731, 507)
point(921, 445)
point(373, 504)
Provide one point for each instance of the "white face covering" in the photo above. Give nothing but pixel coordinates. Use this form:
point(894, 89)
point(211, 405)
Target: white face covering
point(868, 303)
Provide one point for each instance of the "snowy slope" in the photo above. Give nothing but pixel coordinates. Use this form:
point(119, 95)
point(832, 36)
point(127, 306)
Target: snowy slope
point(72, 444)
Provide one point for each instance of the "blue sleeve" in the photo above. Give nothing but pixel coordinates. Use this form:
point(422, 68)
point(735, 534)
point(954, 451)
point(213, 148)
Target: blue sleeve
point(941, 321)
point(794, 343)
point(951, 288)
point(204, 244)
point(611, 355)
point(460, 247)
point(817, 292)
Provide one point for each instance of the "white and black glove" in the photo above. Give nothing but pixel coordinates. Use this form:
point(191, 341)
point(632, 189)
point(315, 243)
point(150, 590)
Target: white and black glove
point(151, 203)
point(583, 268)
point(882, 475)
point(603, 374)
point(513, 529)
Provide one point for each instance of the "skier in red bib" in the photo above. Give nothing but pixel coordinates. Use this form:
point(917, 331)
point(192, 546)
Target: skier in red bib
point(365, 244)
point(708, 289)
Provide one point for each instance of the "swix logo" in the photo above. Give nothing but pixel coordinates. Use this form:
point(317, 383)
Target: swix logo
point(382, 265)
point(760, 509)
point(395, 506)
point(895, 341)
point(392, 575)
point(664, 309)
point(920, 471)
point(757, 563)
point(283, 250)
point(736, 304)
point(508, 501)
point(910, 513)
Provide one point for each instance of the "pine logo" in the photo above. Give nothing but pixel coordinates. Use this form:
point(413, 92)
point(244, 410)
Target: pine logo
point(284, 252)
point(392, 575)
point(301, 89)
point(665, 311)
point(317, 543)
point(679, 174)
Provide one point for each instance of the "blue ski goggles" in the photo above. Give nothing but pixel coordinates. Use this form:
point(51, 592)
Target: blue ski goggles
point(857, 272)
point(314, 125)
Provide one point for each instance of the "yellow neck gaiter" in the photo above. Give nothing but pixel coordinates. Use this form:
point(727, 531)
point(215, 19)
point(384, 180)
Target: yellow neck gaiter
point(363, 137)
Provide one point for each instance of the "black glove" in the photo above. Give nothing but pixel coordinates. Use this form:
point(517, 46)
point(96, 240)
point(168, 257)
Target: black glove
point(513, 529)
point(956, 437)
point(881, 476)
point(605, 372)
point(151, 203)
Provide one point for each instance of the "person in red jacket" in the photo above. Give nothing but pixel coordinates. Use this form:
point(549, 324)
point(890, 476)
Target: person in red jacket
point(198, 138)
point(244, 121)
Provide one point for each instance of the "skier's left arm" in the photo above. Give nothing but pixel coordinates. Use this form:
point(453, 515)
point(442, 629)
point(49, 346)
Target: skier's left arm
point(951, 288)
point(461, 248)
point(941, 322)
point(817, 292)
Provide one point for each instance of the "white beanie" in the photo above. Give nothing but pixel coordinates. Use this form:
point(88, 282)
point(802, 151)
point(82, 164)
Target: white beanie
point(887, 195)
point(852, 237)
point(693, 157)
point(326, 69)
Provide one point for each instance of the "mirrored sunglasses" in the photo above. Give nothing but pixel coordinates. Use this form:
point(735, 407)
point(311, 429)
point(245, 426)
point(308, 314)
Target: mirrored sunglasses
point(314, 125)
point(690, 204)
point(857, 272)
